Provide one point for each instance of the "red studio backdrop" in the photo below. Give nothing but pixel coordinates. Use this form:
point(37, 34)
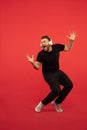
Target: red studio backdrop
point(22, 23)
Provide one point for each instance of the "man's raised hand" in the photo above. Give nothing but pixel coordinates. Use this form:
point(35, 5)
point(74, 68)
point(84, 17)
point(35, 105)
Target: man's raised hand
point(72, 36)
point(30, 59)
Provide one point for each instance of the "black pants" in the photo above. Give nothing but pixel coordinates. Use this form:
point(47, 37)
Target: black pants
point(55, 79)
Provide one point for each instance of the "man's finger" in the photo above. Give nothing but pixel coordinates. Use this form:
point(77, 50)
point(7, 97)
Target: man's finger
point(32, 56)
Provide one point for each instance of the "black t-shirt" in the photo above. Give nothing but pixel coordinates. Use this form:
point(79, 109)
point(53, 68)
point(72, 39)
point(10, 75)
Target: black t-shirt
point(50, 60)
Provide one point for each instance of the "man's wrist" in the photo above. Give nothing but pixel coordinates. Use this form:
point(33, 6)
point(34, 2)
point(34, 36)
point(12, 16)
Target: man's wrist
point(32, 63)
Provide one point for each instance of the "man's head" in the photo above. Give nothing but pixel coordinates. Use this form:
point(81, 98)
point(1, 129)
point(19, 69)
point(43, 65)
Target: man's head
point(45, 42)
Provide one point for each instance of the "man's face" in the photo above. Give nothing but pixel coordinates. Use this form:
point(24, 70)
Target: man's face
point(45, 44)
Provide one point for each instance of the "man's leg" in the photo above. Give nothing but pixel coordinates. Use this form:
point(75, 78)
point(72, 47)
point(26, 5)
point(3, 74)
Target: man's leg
point(49, 98)
point(52, 80)
point(66, 82)
point(52, 95)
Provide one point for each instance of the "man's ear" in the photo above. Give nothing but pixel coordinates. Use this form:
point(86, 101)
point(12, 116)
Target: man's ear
point(40, 45)
point(50, 42)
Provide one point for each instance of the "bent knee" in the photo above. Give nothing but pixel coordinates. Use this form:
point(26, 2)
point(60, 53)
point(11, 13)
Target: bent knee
point(70, 85)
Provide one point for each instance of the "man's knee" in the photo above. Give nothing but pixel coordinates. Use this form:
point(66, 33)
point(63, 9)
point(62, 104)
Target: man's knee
point(71, 85)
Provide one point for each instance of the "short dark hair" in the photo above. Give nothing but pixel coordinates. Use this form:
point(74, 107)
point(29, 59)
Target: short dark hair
point(47, 37)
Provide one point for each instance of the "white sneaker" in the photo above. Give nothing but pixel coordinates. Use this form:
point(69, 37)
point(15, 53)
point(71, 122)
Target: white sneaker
point(57, 107)
point(39, 107)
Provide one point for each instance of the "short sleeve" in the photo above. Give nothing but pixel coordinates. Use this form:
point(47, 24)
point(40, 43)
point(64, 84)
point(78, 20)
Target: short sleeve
point(60, 47)
point(39, 57)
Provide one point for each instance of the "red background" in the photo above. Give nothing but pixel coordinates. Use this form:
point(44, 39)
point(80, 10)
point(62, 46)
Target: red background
point(22, 23)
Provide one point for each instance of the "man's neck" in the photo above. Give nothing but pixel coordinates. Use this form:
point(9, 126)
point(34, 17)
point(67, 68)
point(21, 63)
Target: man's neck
point(50, 49)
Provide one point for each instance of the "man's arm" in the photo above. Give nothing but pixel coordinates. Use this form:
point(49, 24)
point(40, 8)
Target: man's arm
point(71, 37)
point(35, 64)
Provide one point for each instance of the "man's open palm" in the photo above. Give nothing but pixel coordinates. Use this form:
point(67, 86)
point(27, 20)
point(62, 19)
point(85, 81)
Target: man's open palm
point(30, 59)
